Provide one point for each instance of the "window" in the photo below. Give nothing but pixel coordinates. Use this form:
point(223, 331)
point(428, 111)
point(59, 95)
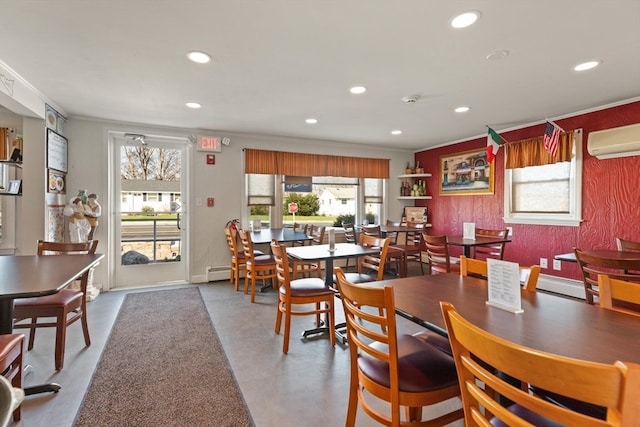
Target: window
point(548, 194)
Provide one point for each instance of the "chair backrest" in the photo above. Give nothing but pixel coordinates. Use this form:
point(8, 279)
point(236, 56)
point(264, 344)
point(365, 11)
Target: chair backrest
point(247, 245)
point(283, 272)
point(375, 261)
point(317, 234)
point(490, 251)
point(614, 291)
point(478, 268)
point(612, 386)
point(371, 230)
point(60, 248)
point(591, 266)
point(437, 252)
point(349, 233)
point(232, 241)
point(627, 245)
point(392, 235)
point(414, 235)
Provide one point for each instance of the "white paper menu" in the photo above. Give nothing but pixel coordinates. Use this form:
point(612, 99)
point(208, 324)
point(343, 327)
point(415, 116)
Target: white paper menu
point(469, 230)
point(504, 285)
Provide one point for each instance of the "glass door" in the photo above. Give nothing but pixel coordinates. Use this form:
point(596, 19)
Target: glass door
point(150, 217)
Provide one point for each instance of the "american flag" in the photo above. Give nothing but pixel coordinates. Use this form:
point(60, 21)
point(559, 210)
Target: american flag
point(551, 138)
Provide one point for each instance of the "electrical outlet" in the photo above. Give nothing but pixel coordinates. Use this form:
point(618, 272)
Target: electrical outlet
point(543, 263)
point(557, 264)
point(510, 230)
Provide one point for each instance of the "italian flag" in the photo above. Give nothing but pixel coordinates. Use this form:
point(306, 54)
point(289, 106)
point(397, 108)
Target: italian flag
point(494, 141)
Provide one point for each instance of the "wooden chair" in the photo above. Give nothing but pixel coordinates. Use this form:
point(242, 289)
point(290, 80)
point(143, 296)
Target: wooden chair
point(489, 251)
point(11, 350)
point(305, 268)
point(304, 228)
point(349, 237)
point(300, 292)
point(394, 255)
point(238, 261)
point(259, 267)
point(627, 245)
point(438, 254)
point(67, 306)
point(613, 291)
point(370, 268)
point(478, 268)
point(612, 386)
point(592, 266)
point(401, 370)
point(412, 246)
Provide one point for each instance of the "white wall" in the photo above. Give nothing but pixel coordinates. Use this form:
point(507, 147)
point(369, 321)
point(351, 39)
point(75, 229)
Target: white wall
point(88, 169)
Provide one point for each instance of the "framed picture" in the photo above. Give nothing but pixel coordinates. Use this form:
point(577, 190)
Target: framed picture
point(57, 182)
point(14, 186)
point(56, 151)
point(467, 172)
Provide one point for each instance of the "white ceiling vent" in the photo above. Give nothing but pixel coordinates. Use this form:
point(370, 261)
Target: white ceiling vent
point(616, 142)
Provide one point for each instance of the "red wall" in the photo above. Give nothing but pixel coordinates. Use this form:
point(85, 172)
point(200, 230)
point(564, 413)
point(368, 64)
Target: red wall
point(610, 197)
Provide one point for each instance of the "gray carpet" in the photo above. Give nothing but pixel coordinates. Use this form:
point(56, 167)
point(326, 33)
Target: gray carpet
point(163, 366)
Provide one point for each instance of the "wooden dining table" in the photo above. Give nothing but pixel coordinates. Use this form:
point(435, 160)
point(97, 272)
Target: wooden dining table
point(281, 235)
point(29, 276)
point(467, 244)
point(548, 323)
point(602, 253)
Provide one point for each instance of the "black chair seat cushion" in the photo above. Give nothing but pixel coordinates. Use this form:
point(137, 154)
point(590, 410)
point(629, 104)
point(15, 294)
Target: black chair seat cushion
point(535, 419)
point(422, 367)
point(63, 298)
point(308, 287)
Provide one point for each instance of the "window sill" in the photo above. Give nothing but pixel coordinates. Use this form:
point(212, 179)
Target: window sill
point(564, 222)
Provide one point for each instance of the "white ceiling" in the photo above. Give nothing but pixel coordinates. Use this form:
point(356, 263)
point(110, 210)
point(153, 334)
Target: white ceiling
point(277, 62)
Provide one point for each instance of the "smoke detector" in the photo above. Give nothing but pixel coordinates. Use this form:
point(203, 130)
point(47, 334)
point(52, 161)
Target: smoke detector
point(410, 99)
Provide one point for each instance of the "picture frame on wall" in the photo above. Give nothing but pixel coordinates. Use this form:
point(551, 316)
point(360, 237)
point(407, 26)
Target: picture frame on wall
point(466, 173)
point(56, 151)
point(57, 182)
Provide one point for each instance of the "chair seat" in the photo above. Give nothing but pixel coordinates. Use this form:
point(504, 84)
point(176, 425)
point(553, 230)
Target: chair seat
point(569, 403)
point(308, 287)
point(65, 297)
point(422, 367)
point(8, 343)
point(535, 419)
point(261, 260)
point(436, 340)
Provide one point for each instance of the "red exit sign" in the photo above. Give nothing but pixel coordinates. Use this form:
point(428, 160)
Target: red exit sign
point(209, 143)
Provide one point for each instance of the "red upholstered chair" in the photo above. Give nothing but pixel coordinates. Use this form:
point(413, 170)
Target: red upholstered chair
point(305, 268)
point(438, 254)
point(238, 261)
point(67, 306)
point(412, 246)
point(395, 256)
point(400, 370)
point(300, 292)
point(489, 251)
point(11, 346)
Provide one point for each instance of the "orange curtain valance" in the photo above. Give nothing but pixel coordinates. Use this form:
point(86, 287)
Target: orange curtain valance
point(300, 164)
point(531, 152)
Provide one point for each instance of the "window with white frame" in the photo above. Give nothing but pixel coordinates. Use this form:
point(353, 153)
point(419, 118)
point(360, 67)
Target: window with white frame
point(548, 194)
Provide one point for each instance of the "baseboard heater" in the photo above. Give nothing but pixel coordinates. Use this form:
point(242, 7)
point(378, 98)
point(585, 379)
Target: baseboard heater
point(218, 273)
point(561, 285)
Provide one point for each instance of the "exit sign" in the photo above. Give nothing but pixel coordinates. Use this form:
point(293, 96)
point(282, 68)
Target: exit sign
point(208, 143)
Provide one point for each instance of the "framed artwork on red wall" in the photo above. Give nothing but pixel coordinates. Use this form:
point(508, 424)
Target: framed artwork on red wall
point(466, 173)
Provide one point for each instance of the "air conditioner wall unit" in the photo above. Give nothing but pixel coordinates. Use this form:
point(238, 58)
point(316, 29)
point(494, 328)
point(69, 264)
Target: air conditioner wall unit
point(616, 142)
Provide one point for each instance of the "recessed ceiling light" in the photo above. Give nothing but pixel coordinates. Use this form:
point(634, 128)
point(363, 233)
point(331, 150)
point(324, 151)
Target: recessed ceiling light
point(587, 65)
point(311, 121)
point(465, 19)
point(356, 90)
point(396, 132)
point(193, 105)
point(462, 109)
point(199, 57)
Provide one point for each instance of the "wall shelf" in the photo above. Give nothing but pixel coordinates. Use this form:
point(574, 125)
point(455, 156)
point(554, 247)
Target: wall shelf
point(415, 175)
point(13, 175)
point(414, 197)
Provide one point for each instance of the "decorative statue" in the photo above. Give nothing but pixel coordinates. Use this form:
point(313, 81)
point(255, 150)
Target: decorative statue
point(79, 227)
point(92, 211)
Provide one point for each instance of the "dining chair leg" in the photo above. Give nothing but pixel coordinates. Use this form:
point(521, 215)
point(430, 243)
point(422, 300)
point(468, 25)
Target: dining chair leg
point(85, 329)
point(61, 336)
point(287, 330)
